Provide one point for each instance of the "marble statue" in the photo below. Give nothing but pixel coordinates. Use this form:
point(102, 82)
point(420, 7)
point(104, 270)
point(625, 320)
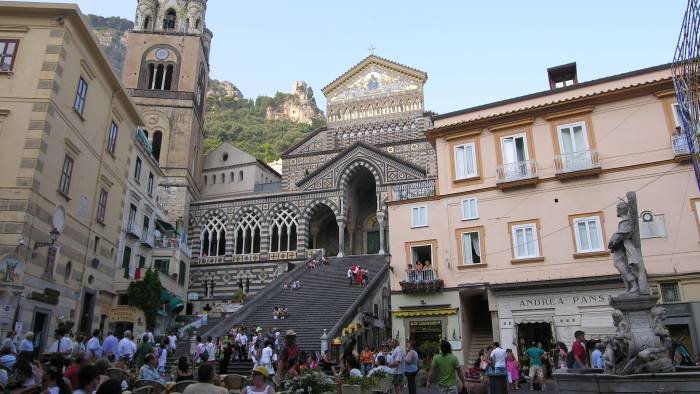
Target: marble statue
point(626, 248)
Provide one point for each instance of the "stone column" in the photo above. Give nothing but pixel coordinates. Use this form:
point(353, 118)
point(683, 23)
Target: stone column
point(380, 220)
point(341, 236)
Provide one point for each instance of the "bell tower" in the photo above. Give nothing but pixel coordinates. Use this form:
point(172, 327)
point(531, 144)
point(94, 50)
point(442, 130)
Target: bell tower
point(166, 71)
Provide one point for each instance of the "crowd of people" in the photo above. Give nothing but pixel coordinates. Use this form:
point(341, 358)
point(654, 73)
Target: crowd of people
point(279, 312)
point(357, 275)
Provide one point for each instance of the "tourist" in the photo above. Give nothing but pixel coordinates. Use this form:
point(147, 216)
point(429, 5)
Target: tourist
point(513, 368)
point(427, 266)
point(199, 355)
point(143, 349)
point(383, 351)
point(352, 367)
point(283, 312)
point(61, 344)
point(254, 353)
point(325, 261)
point(27, 344)
point(313, 361)
point(149, 335)
point(52, 382)
point(285, 284)
point(163, 355)
point(148, 369)
point(71, 373)
point(398, 359)
point(184, 371)
point(126, 347)
point(110, 346)
point(211, 350)
point(87, 379)
point(445, 365)
point(381, 367)
point(578, 350)
point(79, 344)
point(412, 360)
point(26, 374)
point(10, 341)
point(563, 353)
point(7, 358)
point(266, 356)
point(486, 365)
point(535, 354)
point(275, 312)
point(290, 352)
point(172, 342)
point(94, 348)
point(225, 352)
point(419, 266)
point(242, 340)
point(697, 359)
point(365, 277)
point(350, 275)
point(207, 382)
point(259, 385)
point(122, 363)
point(366, 359)
point(358, 275)
point(498, 359)
point(597, 356)
point(102, 367)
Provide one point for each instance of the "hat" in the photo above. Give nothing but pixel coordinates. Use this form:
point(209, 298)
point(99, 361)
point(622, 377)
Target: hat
point(291, 333)
point(261, 370)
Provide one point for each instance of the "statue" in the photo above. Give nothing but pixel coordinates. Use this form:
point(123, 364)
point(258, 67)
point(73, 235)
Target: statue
point(625, 246)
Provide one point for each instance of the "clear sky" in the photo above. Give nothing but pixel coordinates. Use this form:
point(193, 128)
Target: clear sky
point(474, 52)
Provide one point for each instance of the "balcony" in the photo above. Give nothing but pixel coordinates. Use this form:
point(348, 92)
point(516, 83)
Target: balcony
point(165, 242)
point(421, 281)
point(680, 147)
point(133, 230)
point(147, 239)
point(410, 191)
point(171, 285)
point(577, 164)
point(517, 174)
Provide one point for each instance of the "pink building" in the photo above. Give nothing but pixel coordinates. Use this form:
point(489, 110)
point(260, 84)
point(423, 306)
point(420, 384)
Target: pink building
point(524, 204)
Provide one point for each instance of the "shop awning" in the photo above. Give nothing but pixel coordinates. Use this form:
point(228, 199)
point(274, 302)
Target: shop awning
point(426, 312)
point(176, 305)
point(164, 296)
point(533, 318)
point(165, 227)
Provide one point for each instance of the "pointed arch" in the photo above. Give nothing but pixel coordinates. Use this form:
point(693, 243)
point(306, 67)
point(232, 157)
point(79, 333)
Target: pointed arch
point(170, 19)
point(247, 230)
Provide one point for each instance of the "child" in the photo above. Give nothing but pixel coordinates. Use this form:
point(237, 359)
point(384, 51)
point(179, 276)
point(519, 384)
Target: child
point(513, 368)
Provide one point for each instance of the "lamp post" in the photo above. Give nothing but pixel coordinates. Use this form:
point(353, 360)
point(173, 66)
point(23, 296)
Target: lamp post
point(52, 252)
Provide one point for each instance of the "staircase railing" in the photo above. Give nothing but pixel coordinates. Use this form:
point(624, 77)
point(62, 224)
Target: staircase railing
point(350, 313)
point(195, 324)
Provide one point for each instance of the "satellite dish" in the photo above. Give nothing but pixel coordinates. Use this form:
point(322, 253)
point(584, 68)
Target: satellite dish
point(59, 218)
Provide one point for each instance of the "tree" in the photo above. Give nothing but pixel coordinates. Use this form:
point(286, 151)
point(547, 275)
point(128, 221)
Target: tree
point(145, 295)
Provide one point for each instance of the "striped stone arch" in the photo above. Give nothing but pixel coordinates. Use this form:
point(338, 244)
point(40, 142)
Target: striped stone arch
point(209, 214)
point(243, 214)
point(307, 213)
point(196, 227)
point(275, 209)
point(350, 170)
point(282, 208)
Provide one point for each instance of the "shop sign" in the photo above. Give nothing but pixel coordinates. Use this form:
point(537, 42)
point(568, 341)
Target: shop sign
point(49, 296)
point(123, 314)
point(575, 300)
point(425, 326)
point(5, 313)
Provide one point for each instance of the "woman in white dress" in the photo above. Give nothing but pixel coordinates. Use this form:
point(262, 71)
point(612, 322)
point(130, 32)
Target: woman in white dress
point(266, 358)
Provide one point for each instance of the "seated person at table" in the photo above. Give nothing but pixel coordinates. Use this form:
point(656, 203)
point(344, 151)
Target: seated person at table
point(149, 371)
point(184, 370)
point(207, 382)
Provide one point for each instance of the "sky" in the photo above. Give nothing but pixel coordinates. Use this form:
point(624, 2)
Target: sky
point(474, 52)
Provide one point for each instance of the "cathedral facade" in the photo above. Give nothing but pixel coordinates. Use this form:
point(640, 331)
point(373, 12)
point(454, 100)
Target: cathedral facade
point(335, 186)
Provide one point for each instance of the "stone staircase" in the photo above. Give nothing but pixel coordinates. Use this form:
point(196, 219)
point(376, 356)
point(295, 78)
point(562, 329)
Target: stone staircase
point(184, 344)
point(481, 338)
point(325, 301)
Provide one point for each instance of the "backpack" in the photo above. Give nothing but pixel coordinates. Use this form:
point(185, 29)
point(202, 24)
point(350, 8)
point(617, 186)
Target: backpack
point(204, 356)
point(570, 360)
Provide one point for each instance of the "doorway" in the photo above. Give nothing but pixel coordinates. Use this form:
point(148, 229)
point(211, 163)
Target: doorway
point(373, 242)
point(40, 328)
point(529, 333)
point(86, 312)
point(361, 195)
point(425, 331)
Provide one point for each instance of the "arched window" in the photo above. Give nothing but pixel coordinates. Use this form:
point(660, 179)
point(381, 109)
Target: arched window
point(169, 19)
point(231, 177)
point(205, 180)
point(168, 81)
point(146, 22)
point(67, 272)
point(213, 179)
point(247, 233)
point(156, 143)
point(240, 175)
point(199, 93)
point(214, 238)
point(223, 178)
point(197, 23)
point(283, 232)
point(151, 75)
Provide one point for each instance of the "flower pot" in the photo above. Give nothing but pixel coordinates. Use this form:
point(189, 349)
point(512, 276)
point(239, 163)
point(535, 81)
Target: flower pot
point(350, 389)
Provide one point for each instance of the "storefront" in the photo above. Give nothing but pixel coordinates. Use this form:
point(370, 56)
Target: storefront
point(680, 323)
point(552, 312)
point(123, 318)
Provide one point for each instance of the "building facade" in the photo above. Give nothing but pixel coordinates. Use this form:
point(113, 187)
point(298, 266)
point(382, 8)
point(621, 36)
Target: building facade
point(334, 185)
point(527, 188)
point(66, 123)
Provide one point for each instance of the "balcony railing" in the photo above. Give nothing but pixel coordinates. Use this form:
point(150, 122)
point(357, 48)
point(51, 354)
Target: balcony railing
point(409, 191)
point(518, 171)
point(147, 238)
point(133, 229)
point(164, 242)
point(679, 144)
point(577, 161)
point(421, 281)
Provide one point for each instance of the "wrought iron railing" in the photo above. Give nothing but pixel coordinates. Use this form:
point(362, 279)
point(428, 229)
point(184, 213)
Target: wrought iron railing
point(577, 161)
point(516, 171)
point(409, 191)
point(679, 144)
point(164, 242)
point(416, 276)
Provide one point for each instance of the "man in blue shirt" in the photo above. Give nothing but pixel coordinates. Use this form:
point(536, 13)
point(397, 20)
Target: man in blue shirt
point(109, 346)
point(597, 357)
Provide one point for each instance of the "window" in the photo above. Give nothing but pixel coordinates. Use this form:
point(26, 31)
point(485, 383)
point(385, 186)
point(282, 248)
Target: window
point(66, 174)
point(223, 178)
point(150, 183)
point(137, 170)
point(132, 217)
point(465, 161)
point(213, 179)
point(199, 90)
point(677, 115)
point(572, 138)
point(160, 76)
point(422, 253)
point(126, 261)
point(156, 143)
point(162, 265)
point(205, 180)
point(96, 244)
point(231, 177)
point(283, 232)
point(169, 19)
point(247, 234)
point(525, 242)
point(471, 248)
point(112, 142)
point(80, 95)
point(588, 234)
point(214, 238)
point(419, 216)
point(514, 149)
point(470, 209)
point(146, 225)
point(146, 22)
point(240, 175)
point(102, 206)
point(8, 53)
point(181, 274)
point(670, 292)
point(67, 272)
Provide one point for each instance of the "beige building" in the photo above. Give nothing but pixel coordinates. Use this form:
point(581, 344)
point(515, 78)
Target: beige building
point(524, 204)
point(228, 171)
point(66, 125)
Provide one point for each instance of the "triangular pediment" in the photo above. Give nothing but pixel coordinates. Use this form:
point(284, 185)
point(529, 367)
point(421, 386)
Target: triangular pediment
point(374, 77)
point(386, 167)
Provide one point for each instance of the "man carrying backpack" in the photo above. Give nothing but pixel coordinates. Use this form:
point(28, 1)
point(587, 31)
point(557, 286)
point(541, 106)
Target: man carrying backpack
point(535, 354)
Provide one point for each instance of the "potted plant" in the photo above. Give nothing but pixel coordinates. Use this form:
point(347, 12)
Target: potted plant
point(310, 382)
point(238, 296)
point(382, 381)
point(357, 384)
